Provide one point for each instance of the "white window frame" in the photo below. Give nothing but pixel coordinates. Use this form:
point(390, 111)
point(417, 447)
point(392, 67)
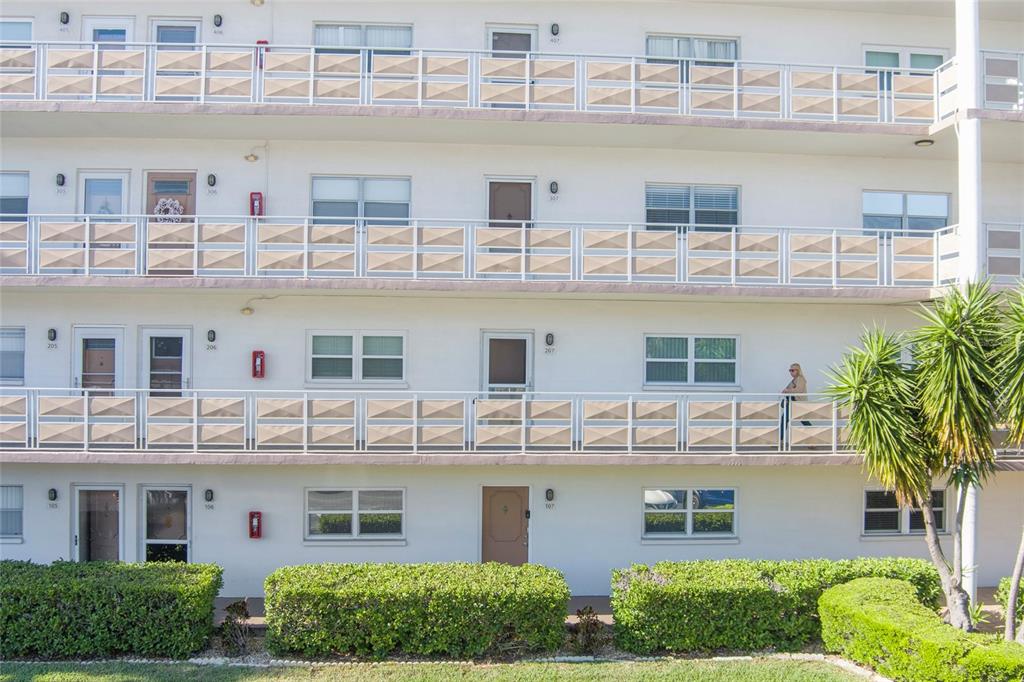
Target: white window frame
point(123, 175)
point(355, 535)
point(90, 22)
point(23, 20)
point(693, 186)
point(904, 53)
point(196, 23)
point(362, 26)
point(143, 522)
point(905, 216)
point(691, 36)
point(361, 198)
point(690, 360)
point(689, 512)
point(533, 30)
point(28, 184)
point(14, 539)
point(357, 356)
point(24, 352)
point(904, 516)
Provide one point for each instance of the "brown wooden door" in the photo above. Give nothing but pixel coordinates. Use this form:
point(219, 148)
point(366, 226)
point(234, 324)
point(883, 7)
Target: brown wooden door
point(99, 525)
point(170, 194)
point(510, 204)
point(505, 525)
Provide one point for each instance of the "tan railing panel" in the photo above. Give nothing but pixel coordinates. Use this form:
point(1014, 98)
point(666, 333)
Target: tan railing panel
point(759, 409)
point(336, 88)
point(807, 104)
point(279, 408)
point(170, 259)
point(858, 270)
point(13, 405)
point(222, 259)
point(605, 265)
point(338, 63)
point(810, 243)
point(400, 236)
point(498, 263)
point(169, 407)
point(178, 86)
point(69, 59)
point(221, 434)
point(169, 434)
point(549, 409)
point(445, 92)
point(759, 102)
point(757, 243)
point(662, 266)
point(17, 84)
point(221, 407)
point(389, 409)
point(757, 267)
point(709, 241)
point(405, 90)
point(13, 231)
point(655, 240)
point(810, 435)
point(717, 100)
point(559, 436)
point(13, 258)
point(112, 433)
point(657, 73)
point(286, 87)
point(549, 265)
point(17, 57)
point(913, 85)
point(289, 63)
point(617, 97)
point(441, 435)
point(112, 406)
point(54, 406)
point(445, 66)
point(499, 237)
point(709, 435)
point(326, 408)
point(810, 269)
point(502, 93)
point(913, 246)
point(606, 409)
point(441, 236)
point(605, 436)
point(608, 71)
point(709, 267)
point(387, 261)
point(917, 272)
point(441, 409)
point(758, 435)
point(760, 78)
point(499, 409)
point(858, 106)
point(129, 60)
point(171, 233)
point(113, 232)
point(120, 85)
point(811, 80)
point(441, 262)
point(502, 68)
point(702, 409)
point(553, 68)
point(654, 409)
point(605, 239)
point(858, 82)
point(498, 435)
point(222, 233)
point(60, 433)
point(179, 60)
point(395, 65)
point(224, 60)
point(380, 434)
point(279, 434)
point(553, 94)
point(712, 75)
point(655, 435)
point(912, 108)
point(658, 97)
point(804, 409)
point(331, 260)
point(61, 258)
point(332, 234)
point(12, 432)
point(229, 87)
point(69, 85)
point(62, 232)
point(269, 233)
point(332, 435)
point(279, 260)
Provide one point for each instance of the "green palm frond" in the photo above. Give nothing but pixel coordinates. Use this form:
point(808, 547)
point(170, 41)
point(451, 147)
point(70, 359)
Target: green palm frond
point(1011, 368)
point(878, 393)
point(956, 376)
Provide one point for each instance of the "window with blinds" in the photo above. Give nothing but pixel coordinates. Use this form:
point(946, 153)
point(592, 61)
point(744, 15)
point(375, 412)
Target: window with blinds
point(692, 47)
point(350, 38)
point(681, 207)
point(382, 201)
point(884, 516)
point(12, 510)
point(356, 356)
point(12, 355)
point(695, 360)
point(13, 196)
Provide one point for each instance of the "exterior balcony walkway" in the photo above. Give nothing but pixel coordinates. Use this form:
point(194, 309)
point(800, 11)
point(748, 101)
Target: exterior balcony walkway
point(279, 249)
point(410, 427)
point(225, 74)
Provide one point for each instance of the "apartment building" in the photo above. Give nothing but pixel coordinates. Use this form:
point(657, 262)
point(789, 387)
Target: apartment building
point(296, 281)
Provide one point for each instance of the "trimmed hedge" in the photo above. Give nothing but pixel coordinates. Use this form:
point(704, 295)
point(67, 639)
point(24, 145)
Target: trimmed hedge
point(740, 604)
point(451, 609)
point(879, 622)
point(1003, 596)
point(69, 609)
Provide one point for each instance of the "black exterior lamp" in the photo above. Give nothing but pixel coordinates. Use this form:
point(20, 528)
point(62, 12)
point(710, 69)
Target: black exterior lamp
point(64, 18)
point(218, 20)
point(211, 180)
point(60, 179)
point(51, 494)
point(208, 495)
point(51, 334)
point(549, 495)
point(211, 336)
point(553, 187)
point(555, 29)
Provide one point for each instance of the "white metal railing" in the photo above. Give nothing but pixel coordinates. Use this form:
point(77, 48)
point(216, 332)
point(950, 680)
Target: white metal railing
point(1002, 80)
point(1004, 252)
point(407, 421)
point(233, 246)
point(226, 73)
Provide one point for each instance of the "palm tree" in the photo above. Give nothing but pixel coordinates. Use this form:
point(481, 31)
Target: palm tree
point(1011, 369)
point(929, 419)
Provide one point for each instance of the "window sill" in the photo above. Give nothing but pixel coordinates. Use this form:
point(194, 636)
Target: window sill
point(12, 382)
point(361, 385)
point(693, 388)
point(12, 541)
point(733, 540)
point(356, 542)
point(886, 537)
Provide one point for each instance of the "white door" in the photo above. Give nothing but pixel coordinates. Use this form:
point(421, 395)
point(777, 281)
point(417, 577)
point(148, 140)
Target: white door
point(167, 359)
point(103, 193)
point(507, 362)
point(97, 522)
point(98, 361)
point(108, 30)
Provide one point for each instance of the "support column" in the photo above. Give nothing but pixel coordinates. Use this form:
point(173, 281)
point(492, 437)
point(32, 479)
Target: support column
point(970, 537)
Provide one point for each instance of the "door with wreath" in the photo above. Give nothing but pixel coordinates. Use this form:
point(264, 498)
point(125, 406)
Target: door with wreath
point(171, 208)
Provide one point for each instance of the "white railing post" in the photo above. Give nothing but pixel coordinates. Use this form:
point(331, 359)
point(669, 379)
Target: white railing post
point(95, 71)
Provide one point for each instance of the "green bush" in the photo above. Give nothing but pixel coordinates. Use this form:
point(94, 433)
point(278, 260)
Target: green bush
point(1003, 597)
point(879, 622)
point(70, 609)
point(740, 604)
point(451, 609)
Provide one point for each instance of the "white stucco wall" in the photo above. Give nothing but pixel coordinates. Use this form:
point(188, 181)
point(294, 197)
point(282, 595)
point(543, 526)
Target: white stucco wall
point(593, 526)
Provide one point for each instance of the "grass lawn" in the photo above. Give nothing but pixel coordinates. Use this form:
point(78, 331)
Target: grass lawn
point(764, 670)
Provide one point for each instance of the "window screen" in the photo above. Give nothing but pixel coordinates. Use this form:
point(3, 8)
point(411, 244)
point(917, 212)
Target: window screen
point(673, 207)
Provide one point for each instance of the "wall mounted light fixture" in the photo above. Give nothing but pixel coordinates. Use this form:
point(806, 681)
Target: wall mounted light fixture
point(553, 187)
point(924, 143)
point(60, 179)
point(555, 29)
point(549, 495)
point(250, 157)
point(256, 3)
point(51, 494)
point(218, 20)
point(549, 339)
point(211, 336)
point(208, 495)
point(51, 334)
point(211, 180)
point(64, 18)
point(247, 310)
